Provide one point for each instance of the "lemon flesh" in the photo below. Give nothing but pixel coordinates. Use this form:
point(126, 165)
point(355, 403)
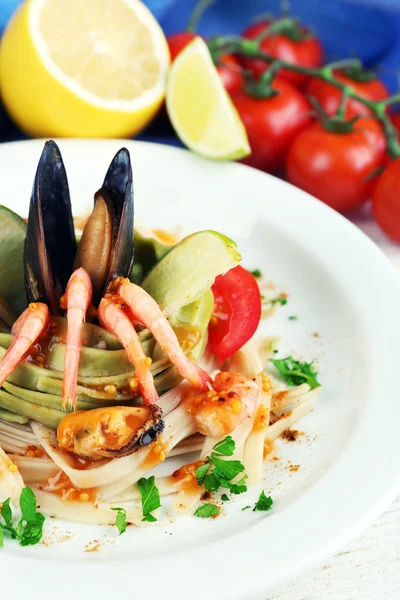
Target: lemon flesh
point(200, 109)
point(83, 69)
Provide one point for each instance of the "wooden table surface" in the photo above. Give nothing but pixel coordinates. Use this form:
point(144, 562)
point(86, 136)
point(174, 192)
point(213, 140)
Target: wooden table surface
point(369, 568)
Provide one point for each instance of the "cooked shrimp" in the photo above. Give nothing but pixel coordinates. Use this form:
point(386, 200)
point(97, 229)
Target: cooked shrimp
point(219, 411)
point(113, 318)
point(146, 310)
point(76, 300)
point(27, 329)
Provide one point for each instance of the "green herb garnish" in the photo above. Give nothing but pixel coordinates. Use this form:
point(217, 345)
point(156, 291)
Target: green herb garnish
point(217, 472)
point(206, 510)
point(293, 318)
point(150, 498)
point(246, 507)
point(29, 530)
point(282, 300)
point(120, 520)
point(256, 273)
point(263, 502)
point(225, 498)
point(295, 372)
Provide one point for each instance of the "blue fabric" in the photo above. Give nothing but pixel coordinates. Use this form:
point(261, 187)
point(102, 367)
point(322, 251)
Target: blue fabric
point(368, 29)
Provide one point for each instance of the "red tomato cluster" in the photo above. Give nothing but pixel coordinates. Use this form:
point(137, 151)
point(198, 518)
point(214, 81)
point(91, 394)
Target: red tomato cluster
point(342, 165)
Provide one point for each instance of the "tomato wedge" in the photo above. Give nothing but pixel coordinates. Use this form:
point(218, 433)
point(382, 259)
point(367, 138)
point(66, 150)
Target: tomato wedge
point(237, 312)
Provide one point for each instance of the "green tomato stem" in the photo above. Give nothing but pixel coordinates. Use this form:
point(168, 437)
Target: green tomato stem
point(197, 13)
point(251, 49)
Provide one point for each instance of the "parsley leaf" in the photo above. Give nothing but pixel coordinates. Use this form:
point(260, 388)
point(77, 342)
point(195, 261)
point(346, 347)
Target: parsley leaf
point(6, 512)
point(206, 510)
point(263, 502)
point(223, 471)
point(211, 482)
point(293, 318)
point(149, 518)
point(32, 531)
point(295, 372)
point(150, 497)
point(246, 507)
point(201, 472)
point(226, 469)
point(120, 521)
point(225, 447)
point(239, 487)
point(256, 273)
point(282, 300)
point(29, 530)
point(27, 503)
point(225, 498)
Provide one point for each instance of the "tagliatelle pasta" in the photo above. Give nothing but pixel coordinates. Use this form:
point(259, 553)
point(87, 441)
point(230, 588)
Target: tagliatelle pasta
point(115, 367)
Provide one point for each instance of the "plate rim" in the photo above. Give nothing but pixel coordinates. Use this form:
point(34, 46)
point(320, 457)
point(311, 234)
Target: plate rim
point(322, 549)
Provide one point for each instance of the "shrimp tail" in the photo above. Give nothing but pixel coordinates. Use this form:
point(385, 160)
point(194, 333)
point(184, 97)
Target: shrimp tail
point(26, 329)
point(113, 318)
point(76, 300)
point(147, 312)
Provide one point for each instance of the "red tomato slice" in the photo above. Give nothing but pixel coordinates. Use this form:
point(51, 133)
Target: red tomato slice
point(237, 312)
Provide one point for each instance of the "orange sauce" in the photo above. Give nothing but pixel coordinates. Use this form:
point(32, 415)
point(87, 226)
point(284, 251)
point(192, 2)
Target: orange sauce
point(269, 449)
point(38, 351)
point(79, 463)
point(157, 454)
point(67, 491)
point(223, 407)
point(35, 452)
point(261, 420)
point(188, 336)
point(187, 474)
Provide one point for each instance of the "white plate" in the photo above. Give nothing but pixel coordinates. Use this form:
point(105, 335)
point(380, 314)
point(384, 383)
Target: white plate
point(346, 297)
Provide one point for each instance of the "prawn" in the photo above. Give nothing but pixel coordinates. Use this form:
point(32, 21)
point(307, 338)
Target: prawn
point(76, 300)
point(27, 328)
point(113, 318)
point(219, 411)
point(147, 312)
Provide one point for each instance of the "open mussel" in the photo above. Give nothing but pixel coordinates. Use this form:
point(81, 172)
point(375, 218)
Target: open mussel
point(110, 432)
point(50, 244)
point(106, 247)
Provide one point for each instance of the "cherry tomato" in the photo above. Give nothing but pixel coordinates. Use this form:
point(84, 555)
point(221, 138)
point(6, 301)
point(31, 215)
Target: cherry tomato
point(237, 312)
point(329, 96)
point(396, 121)
point(178, 41)
point(230, 72)
point(386, 200)
point(307, 52)
point(272, 124)
point(337, 168)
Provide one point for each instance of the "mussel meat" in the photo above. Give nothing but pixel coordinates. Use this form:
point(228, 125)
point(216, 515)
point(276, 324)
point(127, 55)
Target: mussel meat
point(110, 432)
point(106, 247)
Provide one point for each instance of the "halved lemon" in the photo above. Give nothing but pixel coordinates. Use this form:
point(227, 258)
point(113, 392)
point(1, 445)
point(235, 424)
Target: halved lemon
point(83, 68)
point(200, 109)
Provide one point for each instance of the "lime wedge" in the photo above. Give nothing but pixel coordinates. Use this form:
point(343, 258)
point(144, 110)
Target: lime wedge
point(200, 109)
point(12, 237)
point(189, 269)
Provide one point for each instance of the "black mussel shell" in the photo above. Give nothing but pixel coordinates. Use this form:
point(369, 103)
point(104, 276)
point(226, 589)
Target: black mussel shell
point(50, 244)
point(144, 436)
